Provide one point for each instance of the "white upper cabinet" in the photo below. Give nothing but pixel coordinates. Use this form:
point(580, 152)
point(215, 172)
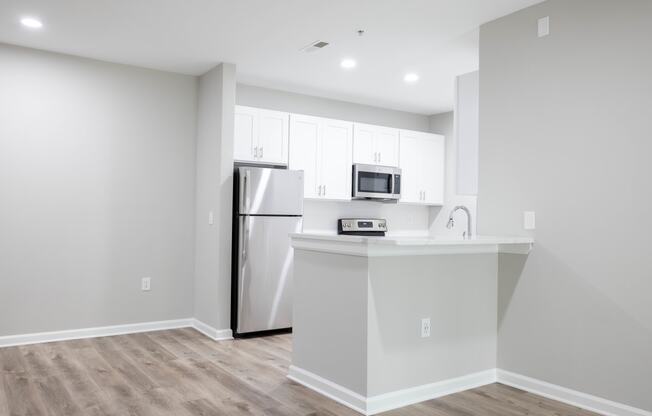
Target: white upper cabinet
point(245, 133)
point(261, 136)
point(305, 139)
point(422, 168)
point(375, 145)
point(336, 163)
point(273, 137)
point(364, 149)
point(322, 149)
point(325, 150)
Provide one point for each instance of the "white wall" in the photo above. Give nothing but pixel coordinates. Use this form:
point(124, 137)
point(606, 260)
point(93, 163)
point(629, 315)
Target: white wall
point(445, 124)
point(96, 191)
point(321, 216)
point(214, 194)
point(467, 94)
point(323, 107)
point(565, 124)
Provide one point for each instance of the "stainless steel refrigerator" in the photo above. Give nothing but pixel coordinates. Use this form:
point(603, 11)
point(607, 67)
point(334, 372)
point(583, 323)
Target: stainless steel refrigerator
point(268, 206)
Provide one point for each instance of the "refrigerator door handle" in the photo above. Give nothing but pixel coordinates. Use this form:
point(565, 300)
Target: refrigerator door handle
point(245, 191)
point(245, 241)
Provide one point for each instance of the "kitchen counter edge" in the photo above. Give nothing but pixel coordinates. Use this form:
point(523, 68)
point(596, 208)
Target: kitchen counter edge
point(407, 246)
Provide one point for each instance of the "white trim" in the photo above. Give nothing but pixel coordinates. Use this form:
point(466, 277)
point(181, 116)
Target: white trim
point(566, 395)
point(210, 332)
point(104, 331)
point(393, 400)
point(418, 394)
point(333, 391)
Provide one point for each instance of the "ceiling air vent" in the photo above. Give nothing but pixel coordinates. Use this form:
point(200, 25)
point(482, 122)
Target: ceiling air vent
point(314, 46)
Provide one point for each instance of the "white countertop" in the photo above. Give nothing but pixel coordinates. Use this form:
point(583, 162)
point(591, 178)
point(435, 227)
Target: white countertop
point(409, 245)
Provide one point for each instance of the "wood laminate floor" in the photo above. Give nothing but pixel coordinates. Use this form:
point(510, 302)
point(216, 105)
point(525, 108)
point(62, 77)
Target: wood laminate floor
point(182, 373)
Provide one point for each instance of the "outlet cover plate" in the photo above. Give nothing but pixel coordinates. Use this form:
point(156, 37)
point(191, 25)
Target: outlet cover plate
point(425, 327)
point(529, 220)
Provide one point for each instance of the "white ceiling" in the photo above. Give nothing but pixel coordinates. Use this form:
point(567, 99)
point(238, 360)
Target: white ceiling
point(437, 39)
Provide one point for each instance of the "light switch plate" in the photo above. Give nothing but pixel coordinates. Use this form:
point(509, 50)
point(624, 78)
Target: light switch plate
point(543, 26)
point(529, 220)
point(146, 284)
point(210, 218)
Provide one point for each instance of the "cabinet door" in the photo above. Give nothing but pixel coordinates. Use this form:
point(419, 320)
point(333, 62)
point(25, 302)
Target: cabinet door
point(433, 168)
point(363, 144)
point(304, 146)
point(410, 162)
point(386, 146)
point(245, 133)
point(273, 137)
point(336, 162)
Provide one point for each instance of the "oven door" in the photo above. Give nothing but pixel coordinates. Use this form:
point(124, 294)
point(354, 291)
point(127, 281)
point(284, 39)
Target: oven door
point(375, 182)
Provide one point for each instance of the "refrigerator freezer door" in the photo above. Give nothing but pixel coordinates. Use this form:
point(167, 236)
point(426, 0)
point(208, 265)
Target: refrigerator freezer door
point(265, 273)
point(264, 191)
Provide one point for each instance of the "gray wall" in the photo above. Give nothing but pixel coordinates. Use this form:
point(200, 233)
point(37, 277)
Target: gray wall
point(96, 191)
point(457, 292)
point(324, 107)
point(330, 314)
point(357, 320)
point(444, 124)
point(565, 125)
point(215, 118)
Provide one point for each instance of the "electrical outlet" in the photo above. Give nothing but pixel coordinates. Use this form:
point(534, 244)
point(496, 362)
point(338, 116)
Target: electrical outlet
point(529, 220)
point(543, 26)
point(145, 284)
point(425, 327)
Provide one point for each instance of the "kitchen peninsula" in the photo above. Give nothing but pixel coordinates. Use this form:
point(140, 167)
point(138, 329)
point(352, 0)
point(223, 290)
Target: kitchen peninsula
point(382, 322)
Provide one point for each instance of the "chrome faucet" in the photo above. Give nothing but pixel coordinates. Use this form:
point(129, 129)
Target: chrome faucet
point(451, 222)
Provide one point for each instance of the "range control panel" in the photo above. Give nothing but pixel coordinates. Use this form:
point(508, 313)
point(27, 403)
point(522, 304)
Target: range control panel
point(362, 226)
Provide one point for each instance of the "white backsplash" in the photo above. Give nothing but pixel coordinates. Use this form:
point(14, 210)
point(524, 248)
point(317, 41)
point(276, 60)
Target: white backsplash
point(322, 216)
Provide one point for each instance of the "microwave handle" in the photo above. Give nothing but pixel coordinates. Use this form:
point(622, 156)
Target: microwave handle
point(396, 184)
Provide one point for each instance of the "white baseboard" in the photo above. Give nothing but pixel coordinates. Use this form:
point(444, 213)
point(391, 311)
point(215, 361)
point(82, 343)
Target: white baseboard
point(394, 400)
point(105, 331)
point(340, 394)
point(210, 332)
point(406, 397)
point(565, 395)
point(384, 402)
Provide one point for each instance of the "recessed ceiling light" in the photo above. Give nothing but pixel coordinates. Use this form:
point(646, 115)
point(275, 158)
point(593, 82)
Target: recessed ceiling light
point(31, 22)
point(411, 77)
point(348, 63)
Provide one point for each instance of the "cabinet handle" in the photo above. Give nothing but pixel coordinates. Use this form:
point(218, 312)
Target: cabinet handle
point(318, 190)
point(261, 151)
point(424, 195)
point(324, 190)
point(255, 152)
point(380, 157)
point(375, 156)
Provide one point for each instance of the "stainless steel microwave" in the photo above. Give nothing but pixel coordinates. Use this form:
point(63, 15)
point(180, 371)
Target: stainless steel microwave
point(381, 183)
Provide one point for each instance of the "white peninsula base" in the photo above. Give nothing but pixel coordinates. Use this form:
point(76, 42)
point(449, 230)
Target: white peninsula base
point(359, 303)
